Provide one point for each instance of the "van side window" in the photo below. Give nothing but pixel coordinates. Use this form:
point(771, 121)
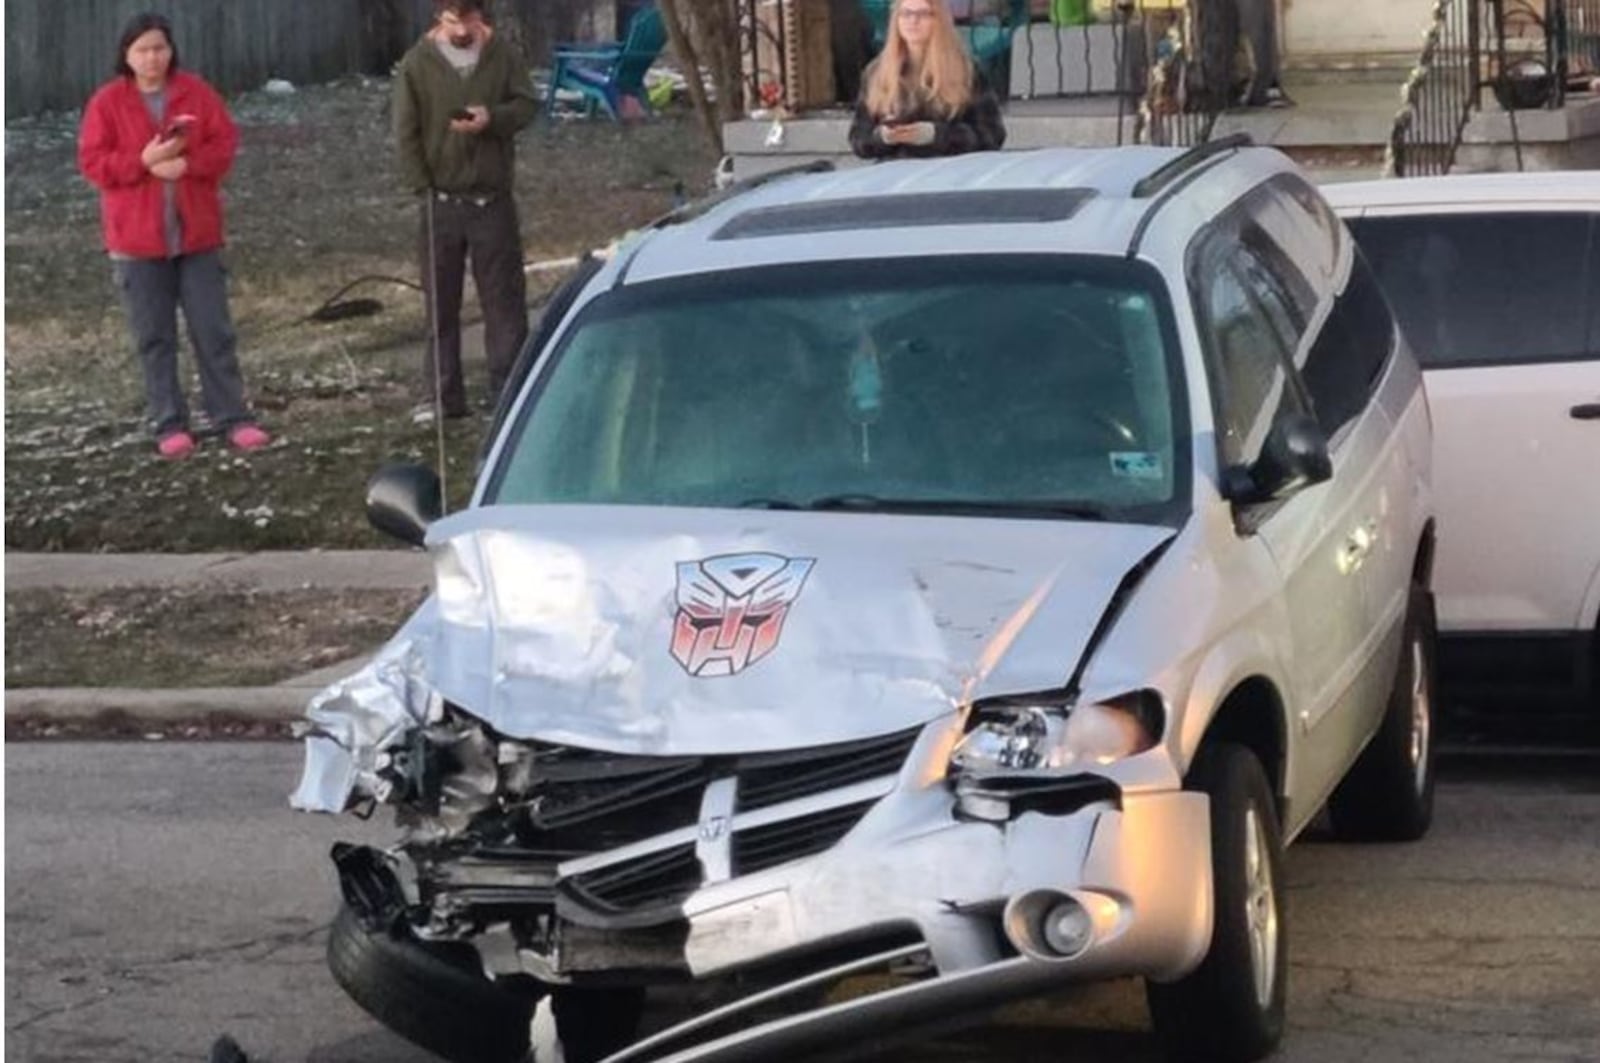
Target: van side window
point(1249, 331)
point(1293, 230)
point(1448, 277)
point(1349, 355)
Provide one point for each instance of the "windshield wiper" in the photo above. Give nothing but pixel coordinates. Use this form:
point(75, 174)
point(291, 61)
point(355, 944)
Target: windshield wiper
point(864, 503)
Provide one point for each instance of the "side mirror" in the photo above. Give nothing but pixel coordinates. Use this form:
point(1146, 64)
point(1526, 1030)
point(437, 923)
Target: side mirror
point(1294, 457)
point(402, 500)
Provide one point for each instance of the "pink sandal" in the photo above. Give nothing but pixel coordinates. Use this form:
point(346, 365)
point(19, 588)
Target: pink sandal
point(175, 446)
point(248, 437)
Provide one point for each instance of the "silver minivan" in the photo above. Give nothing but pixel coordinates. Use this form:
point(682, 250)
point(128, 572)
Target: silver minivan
point(893, 592)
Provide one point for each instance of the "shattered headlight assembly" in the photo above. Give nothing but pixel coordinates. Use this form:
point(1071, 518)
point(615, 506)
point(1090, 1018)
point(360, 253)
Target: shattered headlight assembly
point(1017, 736)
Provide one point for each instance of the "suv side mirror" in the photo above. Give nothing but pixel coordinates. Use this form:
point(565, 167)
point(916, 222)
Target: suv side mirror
point(1294, 457)
point(402, 500)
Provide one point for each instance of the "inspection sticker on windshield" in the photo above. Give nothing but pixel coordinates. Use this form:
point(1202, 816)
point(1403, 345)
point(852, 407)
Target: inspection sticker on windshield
point(1136, 465)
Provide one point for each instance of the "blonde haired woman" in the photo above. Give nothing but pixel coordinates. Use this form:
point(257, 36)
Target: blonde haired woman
point(923, 96)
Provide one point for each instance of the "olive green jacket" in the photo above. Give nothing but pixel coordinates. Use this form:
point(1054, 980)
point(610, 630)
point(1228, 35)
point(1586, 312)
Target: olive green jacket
point(428, 90)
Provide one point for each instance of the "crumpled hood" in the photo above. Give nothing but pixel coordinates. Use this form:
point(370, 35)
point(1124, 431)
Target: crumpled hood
point(663, 631)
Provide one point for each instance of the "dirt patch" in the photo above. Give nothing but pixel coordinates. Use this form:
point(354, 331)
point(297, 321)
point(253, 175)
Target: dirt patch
point(313, 204)
point(162, 638)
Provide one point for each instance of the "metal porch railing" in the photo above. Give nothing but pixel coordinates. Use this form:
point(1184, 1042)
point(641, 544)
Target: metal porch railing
point(1441, 93)
point(1162, 68)
point(1521, 54)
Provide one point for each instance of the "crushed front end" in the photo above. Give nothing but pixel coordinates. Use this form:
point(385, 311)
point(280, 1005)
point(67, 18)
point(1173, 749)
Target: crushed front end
point(607, 775)
point(772, 876)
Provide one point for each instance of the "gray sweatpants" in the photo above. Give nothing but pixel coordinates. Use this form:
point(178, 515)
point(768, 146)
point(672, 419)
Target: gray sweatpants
point(1258, 23)
point(152, 290)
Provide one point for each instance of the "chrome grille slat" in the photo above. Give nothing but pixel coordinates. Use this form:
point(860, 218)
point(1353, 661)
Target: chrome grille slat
point(773, 778)
point(758, 848)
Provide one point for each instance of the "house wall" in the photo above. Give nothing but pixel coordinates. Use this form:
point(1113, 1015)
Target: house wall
point(1313, 27)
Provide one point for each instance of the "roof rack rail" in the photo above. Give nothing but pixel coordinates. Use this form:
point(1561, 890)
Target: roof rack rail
point(1153, 183)
point(690, 211)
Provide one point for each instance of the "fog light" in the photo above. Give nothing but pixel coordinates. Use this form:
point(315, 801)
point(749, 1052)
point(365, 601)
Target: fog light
point(1067, 928)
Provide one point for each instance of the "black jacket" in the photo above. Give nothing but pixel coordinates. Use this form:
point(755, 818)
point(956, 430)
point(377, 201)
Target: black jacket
point(976, 127)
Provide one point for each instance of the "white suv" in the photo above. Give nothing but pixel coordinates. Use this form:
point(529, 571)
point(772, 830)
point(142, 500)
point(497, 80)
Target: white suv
point(970, 571)
point(1496, 282)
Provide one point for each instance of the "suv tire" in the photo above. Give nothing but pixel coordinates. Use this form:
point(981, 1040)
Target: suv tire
point(433, 995)
point(1231, 1007)
point(1387, 796)
point(595, 1023)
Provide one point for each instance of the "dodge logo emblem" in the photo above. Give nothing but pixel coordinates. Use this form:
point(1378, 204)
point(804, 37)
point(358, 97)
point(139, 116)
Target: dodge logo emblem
point(713, 828)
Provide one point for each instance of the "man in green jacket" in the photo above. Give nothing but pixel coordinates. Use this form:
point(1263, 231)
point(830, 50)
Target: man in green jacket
point(460, 97)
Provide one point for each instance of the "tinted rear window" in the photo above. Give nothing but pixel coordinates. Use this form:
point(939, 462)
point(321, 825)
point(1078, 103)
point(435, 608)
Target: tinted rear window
point(1482, 289)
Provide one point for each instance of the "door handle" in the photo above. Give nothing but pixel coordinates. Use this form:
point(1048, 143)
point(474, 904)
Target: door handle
point(1586, 411)
point(1357, 545)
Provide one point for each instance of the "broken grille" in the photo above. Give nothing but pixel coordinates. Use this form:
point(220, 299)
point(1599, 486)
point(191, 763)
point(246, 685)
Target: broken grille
point(590, 802)
point(772, 778)
point(756, 848)
point(656, 880)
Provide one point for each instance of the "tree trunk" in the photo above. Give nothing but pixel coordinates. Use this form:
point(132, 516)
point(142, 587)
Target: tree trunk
point(705, 37)
point(689, 56)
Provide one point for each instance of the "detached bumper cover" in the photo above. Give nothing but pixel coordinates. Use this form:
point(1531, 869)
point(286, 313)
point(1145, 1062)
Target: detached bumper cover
point(1144, 871)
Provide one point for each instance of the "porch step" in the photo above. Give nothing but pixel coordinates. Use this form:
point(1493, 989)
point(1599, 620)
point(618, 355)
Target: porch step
point(1346, 68)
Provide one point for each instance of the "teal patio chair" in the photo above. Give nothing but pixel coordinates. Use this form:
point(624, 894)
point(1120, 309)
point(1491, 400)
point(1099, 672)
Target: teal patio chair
point(604, 75)
point(989, 41)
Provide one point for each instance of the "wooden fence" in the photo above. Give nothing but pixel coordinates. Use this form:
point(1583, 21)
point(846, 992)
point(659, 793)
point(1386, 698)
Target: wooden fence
point(58, 51)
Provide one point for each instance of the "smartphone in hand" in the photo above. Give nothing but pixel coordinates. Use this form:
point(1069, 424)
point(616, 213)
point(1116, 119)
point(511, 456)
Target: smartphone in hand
point(177, 126)
point(462, 115)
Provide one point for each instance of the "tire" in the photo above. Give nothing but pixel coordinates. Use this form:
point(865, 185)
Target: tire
point(435, 996)
point(1387, 796)
point(595, 1023)
point(1230, 1009)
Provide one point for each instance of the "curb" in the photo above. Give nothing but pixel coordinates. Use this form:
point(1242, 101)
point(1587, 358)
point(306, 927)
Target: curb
point(261, 704)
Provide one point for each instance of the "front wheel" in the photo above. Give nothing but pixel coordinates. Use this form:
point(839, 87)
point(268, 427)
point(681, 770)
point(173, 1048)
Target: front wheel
point(1230, 1008)
point(433, 995)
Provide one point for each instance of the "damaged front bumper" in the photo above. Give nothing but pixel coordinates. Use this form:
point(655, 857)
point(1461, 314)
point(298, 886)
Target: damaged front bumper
point(898, 871)
point(782, 871)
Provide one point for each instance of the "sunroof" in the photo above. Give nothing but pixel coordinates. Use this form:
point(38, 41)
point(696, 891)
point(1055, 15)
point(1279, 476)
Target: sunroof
point(995, 206)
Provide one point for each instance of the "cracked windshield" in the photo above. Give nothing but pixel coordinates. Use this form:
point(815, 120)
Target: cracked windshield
point(1043, 387)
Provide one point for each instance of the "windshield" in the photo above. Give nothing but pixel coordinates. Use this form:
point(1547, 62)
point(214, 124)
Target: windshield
point(1027, 385)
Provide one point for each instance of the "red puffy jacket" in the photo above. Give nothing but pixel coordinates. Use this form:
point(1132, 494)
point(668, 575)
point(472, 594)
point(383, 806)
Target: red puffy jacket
point(116, 128)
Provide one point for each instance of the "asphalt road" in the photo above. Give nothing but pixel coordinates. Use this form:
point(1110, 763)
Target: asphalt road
point(160, 894)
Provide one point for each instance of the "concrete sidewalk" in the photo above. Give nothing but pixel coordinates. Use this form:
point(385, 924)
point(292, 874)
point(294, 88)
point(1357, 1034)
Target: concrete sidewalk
point(270, 570)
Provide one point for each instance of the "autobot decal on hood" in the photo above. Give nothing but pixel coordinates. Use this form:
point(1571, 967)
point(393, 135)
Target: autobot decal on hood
point(731, 610)
point(558, 624)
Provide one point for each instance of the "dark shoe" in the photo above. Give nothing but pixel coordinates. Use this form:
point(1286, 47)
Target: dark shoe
point(422, 414)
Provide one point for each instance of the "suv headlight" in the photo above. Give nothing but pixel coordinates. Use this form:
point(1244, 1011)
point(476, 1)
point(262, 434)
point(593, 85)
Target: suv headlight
point(1010, 737)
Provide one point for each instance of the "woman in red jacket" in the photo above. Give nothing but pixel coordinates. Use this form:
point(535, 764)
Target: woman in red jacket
point(157, 142)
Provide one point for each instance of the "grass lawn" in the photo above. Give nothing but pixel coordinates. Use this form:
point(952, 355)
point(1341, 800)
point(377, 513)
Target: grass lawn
point(204, 636)
point(313, 203)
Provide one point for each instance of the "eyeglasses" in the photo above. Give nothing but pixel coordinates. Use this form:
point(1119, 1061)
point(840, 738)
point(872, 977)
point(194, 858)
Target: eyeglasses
point(914, 14)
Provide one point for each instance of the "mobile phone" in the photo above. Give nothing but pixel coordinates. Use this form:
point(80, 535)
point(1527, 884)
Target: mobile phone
point(178, 126)
point(462, 115)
